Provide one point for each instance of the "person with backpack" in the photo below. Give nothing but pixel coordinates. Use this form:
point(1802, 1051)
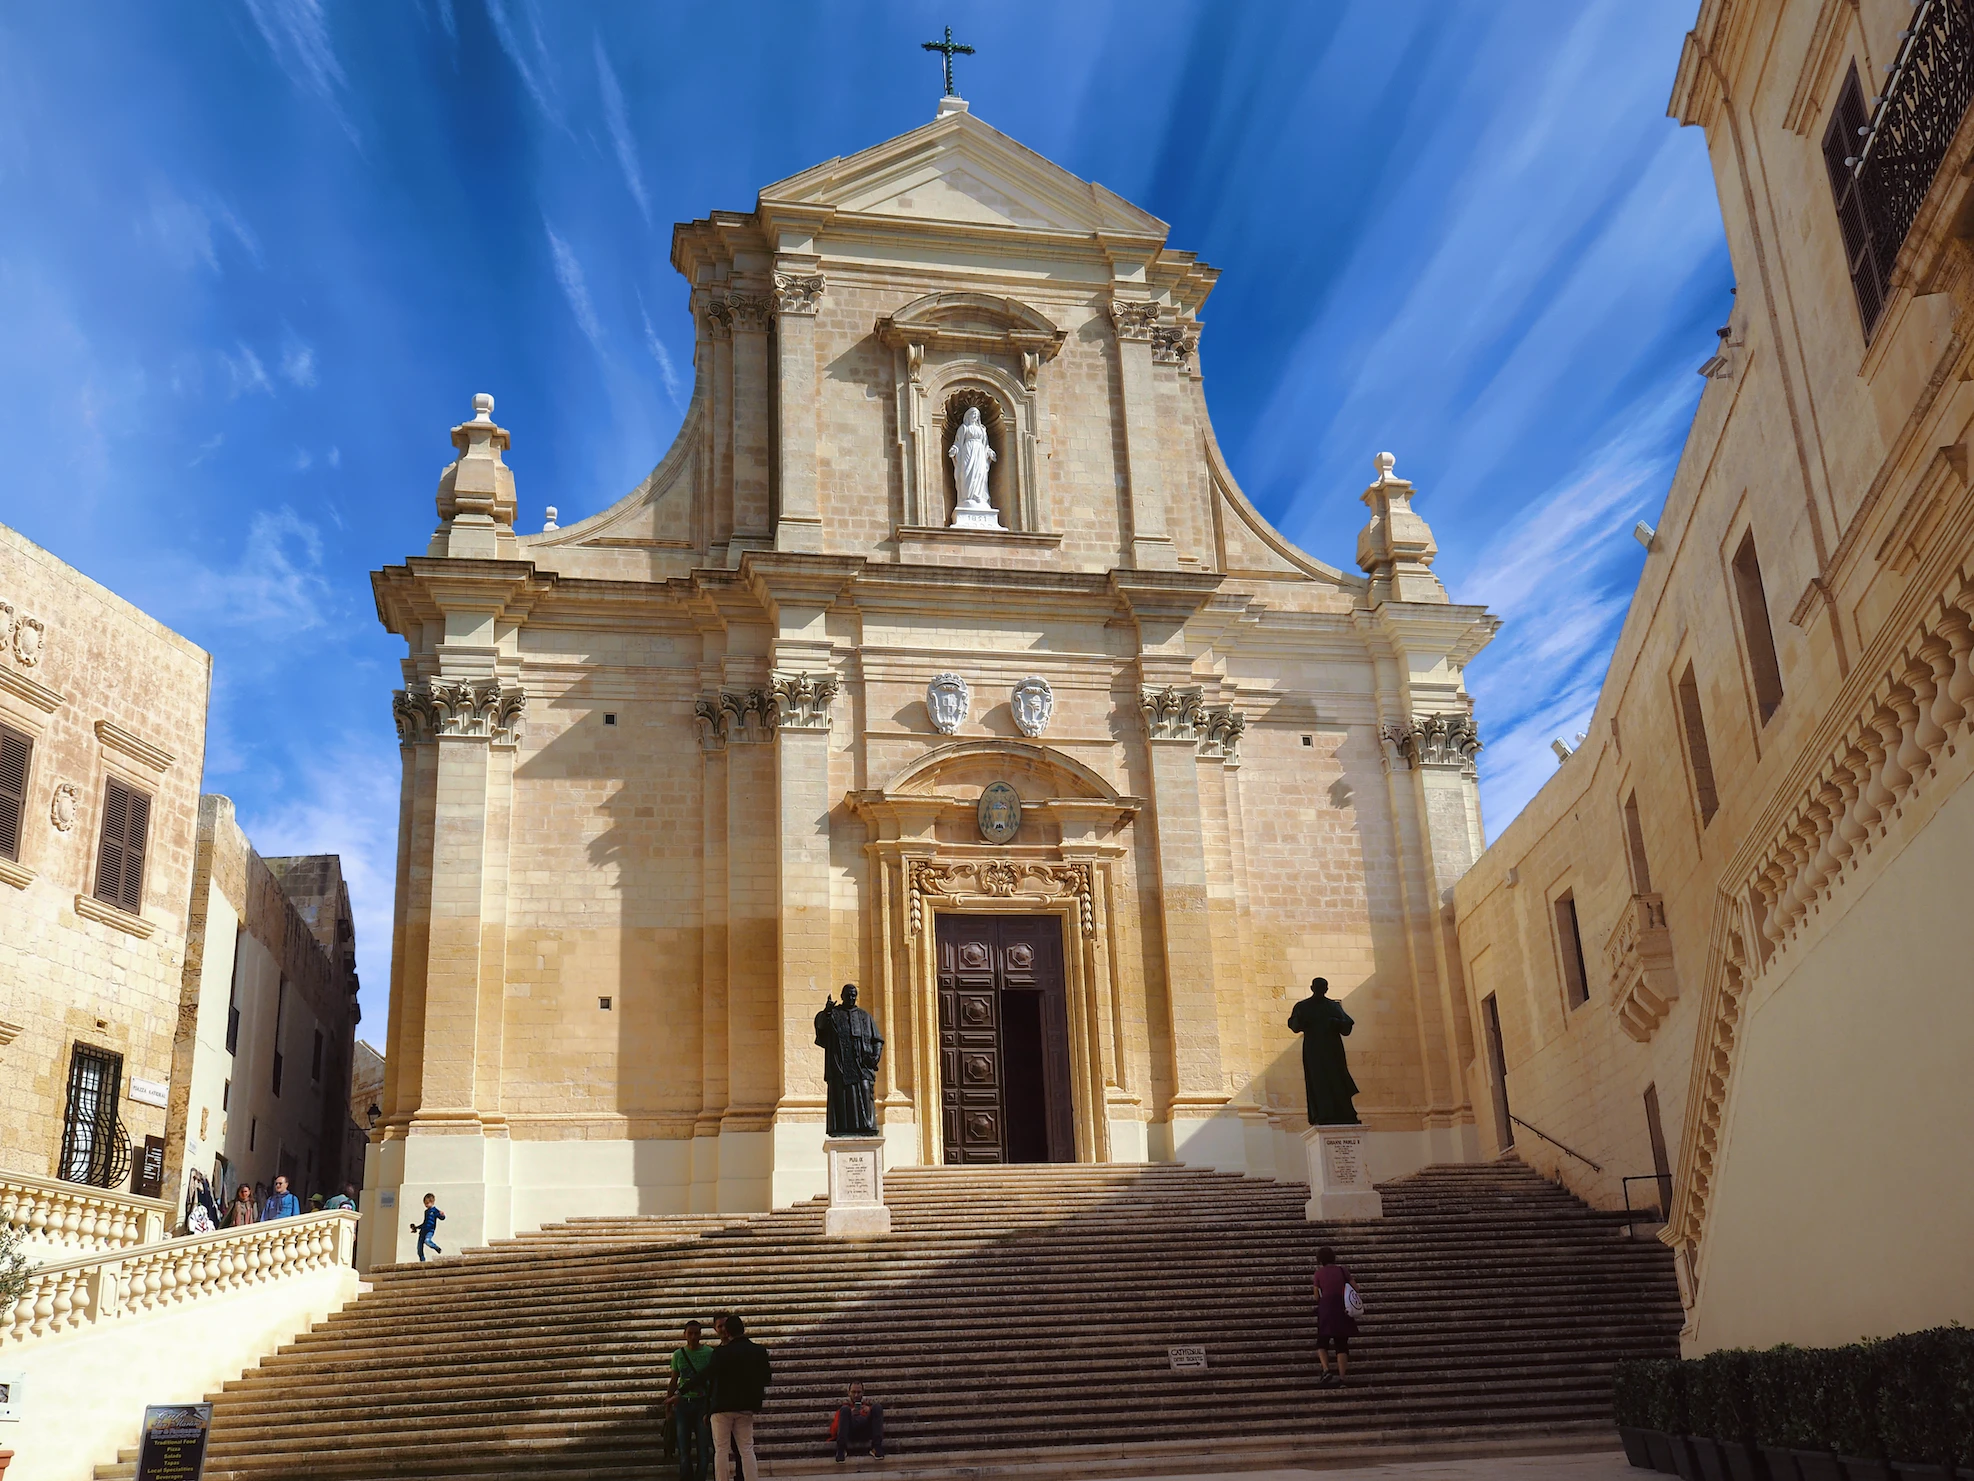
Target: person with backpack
point(690, 1400)
point(740, 1372)
point(1337, 1310)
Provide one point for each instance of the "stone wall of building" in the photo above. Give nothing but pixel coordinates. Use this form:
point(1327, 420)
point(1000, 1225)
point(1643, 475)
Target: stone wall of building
point(1759, 849)
point(671, 776)
point(103, 692)
point(259, 982)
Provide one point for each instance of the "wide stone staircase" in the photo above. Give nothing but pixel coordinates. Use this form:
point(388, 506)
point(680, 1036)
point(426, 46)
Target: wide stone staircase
point(1016, 1318)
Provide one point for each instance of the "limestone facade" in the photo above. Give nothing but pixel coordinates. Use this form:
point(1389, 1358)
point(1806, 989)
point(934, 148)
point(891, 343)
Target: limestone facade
point(267, 1021)
point(1761, 848)
point(676, 771)
point(102, 710)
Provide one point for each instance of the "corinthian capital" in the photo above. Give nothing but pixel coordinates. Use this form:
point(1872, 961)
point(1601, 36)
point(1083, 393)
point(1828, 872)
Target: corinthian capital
point(1133, 318)
point(485, 708)
point(802, 701)
point(749, 310)
point(1443, 741)
point(798, 294)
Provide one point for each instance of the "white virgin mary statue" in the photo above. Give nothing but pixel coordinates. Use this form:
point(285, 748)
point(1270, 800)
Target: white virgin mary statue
point(972, 457)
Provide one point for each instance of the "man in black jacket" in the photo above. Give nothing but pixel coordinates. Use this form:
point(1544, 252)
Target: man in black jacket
point(740, 1374)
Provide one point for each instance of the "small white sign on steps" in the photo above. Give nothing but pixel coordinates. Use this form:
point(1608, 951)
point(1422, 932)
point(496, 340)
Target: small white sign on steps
point(1187, 1357)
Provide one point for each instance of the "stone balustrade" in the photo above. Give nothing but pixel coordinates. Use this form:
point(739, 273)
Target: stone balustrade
point(1638, 957)
point(72, 1294)
point(59, 1216)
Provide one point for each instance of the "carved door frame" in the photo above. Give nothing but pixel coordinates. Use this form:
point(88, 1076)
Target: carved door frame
point(918, 885)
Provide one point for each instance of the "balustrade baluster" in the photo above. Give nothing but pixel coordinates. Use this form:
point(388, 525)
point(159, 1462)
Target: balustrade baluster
point(1927, 737)
point(1945, 711)
point(1892, 777)
point(1958, 629)
point(1913, 759)
point(44, 1305)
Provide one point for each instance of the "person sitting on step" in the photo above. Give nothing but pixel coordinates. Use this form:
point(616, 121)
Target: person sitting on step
point(858, 1426)
point(1334, 1323)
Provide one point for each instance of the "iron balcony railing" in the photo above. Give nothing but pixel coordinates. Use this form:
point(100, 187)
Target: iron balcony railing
point(1914, 119)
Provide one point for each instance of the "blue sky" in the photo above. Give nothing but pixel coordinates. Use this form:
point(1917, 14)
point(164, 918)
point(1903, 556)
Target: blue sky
point(258, 255)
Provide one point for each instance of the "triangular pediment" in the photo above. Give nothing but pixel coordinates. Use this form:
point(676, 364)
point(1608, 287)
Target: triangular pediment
point(959, 170)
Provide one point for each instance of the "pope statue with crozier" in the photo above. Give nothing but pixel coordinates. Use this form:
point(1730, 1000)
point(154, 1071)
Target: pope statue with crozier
point(851, 1048)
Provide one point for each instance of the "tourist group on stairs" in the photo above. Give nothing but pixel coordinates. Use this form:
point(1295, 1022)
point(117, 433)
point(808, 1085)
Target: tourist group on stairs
point(712, 1399)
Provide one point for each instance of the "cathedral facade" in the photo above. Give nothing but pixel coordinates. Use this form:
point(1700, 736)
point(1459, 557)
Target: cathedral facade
point(1069, 760)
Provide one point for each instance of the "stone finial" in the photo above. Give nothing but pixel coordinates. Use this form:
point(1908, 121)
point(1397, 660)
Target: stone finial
point(1396, 548)
point(549, 523)
point(476, 491)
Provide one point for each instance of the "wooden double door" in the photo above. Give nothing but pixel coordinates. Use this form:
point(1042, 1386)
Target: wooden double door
point(1004, 1039)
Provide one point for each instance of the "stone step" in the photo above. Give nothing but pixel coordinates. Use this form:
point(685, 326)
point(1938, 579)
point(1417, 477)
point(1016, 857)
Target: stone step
point(1016, 1312)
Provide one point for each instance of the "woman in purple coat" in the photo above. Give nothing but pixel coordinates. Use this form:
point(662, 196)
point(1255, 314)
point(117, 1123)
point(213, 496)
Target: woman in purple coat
point(1334, 1325)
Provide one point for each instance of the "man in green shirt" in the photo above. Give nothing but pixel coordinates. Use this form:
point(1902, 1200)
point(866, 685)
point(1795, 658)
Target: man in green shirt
point(689, 1399)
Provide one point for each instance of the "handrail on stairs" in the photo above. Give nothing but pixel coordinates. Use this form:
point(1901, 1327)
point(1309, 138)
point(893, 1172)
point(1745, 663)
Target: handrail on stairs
point(1553, 1142)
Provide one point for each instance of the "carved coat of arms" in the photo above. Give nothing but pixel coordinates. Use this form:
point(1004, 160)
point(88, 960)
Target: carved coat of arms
point(1000, 812)
point(1033, 704)
point(947, 700)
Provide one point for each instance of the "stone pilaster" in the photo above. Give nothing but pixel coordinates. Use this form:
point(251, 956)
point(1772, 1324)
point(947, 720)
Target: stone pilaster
point(444, 1130)
point(1136, 321)
point(798, 517)
point(748, 316)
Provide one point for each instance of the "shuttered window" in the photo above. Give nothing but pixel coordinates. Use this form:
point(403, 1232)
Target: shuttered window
point(1842, 141)
point(120, 855)
point(15, 752)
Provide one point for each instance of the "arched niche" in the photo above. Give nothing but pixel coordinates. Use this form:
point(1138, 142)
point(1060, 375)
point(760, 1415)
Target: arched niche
point(950, 347)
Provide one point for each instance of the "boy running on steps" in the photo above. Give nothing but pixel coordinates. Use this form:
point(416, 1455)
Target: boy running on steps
point(426, 1229)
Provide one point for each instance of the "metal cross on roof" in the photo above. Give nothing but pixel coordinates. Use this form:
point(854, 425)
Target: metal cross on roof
point(951, 48)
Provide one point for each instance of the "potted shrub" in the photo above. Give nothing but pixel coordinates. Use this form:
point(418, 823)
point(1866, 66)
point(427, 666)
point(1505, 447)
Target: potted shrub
point(1630, 1408)
point(1925, 1402)
point(1722, 1387)
point(1662, 1386)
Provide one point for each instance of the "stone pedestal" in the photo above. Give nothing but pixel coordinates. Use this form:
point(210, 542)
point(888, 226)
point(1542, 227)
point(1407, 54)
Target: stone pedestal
point(856, 1187)
point(1339, 1180)
point(978, 519)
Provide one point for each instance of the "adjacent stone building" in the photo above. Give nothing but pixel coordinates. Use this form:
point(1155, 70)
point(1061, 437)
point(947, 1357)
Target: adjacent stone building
point(102, 739)
point(1724, 951)
point(677, 771)
point(267, 1023)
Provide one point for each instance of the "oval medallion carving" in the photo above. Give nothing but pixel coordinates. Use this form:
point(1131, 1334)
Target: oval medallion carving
point(1000, 812)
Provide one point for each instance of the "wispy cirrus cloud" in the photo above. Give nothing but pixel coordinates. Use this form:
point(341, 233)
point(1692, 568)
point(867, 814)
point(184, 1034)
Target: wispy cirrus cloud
point(618, 120)
point(245, 374)
point(276, 586)
point(674, 388)
point(529, 55)
point(569, 273)
point(297, 34)
point(297, 361)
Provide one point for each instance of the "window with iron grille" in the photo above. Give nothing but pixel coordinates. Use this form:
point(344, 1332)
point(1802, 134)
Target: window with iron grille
point(120, 852)
point(94, 1149)
point(1841, 143)
point(16, 750)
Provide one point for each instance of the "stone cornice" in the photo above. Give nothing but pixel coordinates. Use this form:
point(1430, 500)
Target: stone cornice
point(90, 908)
point(116, 738)
point(22, 687)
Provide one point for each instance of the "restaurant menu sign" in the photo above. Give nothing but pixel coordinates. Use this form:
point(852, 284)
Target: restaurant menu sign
point(174, 1445)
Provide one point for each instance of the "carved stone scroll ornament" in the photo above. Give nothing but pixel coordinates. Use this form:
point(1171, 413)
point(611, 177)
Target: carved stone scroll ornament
point(1133, 319)
point(1174, 344)
point(485, 708)
point(1434, 740)
point(63, 806)
point(798, 294)
point(6, 625)
point(1002, 879)
point(740, 716)
point(948, 701)
point(802, 701)
point(1183, 714)
point(1033, 704)
point(29, 636)
point(751, 311)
